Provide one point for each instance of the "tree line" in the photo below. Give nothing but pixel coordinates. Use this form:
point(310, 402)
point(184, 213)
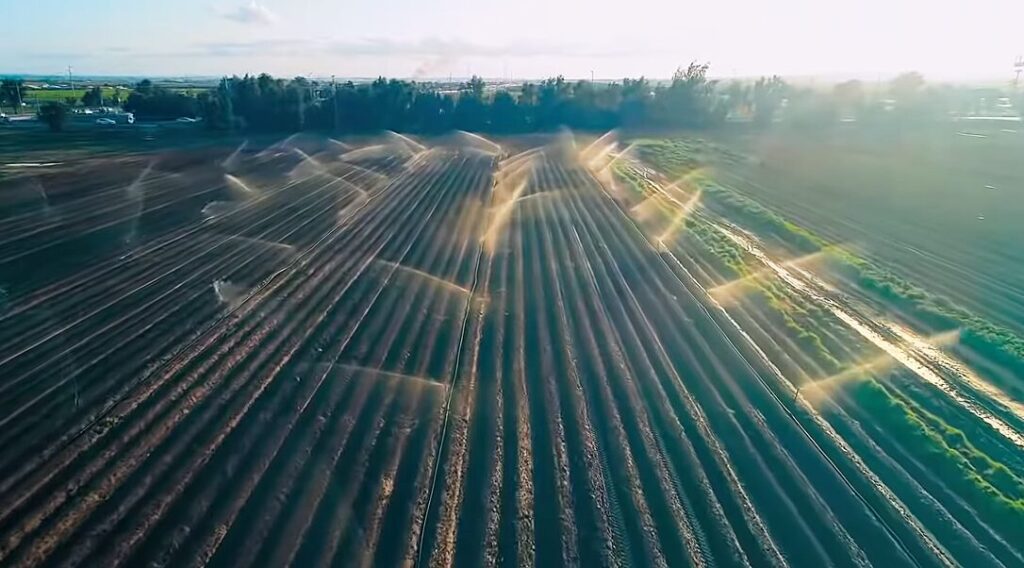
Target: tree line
point(688, 100)
point(262, 103)
point(906, 99)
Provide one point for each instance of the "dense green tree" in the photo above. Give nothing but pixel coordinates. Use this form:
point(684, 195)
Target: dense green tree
point(849, 97)
point(913, 102)
point(637, 97)
point(263, 103)
point(54, 115)
point(149, 100)
point(506, 114)
point(470, 108)
point(93, 97)
point(737, 95)
point(688, 101)
point(216, 107)
point(906, 86)
point(768, 94)
point(808, 108)
point(11, 92)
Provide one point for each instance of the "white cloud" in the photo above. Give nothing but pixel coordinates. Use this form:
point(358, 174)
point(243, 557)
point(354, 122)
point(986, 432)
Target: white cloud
point(251, 13)
point(431, 47)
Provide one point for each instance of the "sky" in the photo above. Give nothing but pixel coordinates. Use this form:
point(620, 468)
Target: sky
point(867, 39)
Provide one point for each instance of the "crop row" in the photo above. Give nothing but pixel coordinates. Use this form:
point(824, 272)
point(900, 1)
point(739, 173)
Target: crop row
point(475, 362)
point(878, 440)
point(75, 349)
point(609, 420)
point(260, 382)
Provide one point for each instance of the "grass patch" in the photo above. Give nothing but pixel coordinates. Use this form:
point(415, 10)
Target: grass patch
point(31, 96)
point(988, 486)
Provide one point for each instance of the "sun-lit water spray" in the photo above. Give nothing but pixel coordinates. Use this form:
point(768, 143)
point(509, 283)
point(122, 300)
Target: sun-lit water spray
point(566, 139)
point(606, 140)
point(488, 145)
point(366, 153)
point(347, 213)
point(736, 289)
point(349, 186)
point(230, 294)
point(933, 344)
point(920, 362)
point(513, 173)
point(619, 156)
point(679, 221)
point(597, 155)
point(539, 195)
point(516, 158)
point(338, 145)
point(421, 381)
point(500, 215)
point(289, 141)
point(650, 208)
point(599, 159)
point(934, 348)
point(284, 248)
point(820, 390)
point(376, 176)
point(685, 183)
point(32, 165)
point(307, 166)
point(215, 209)
point(38, 187)
point(279, 147)
point(238, 188)
point(610, 182)
point(402, 139)
point(673, 192)
point(816, 392)
point(416, 273)
point(465, 222)
point(232, 162)
point(731, 292)
point(134, 193)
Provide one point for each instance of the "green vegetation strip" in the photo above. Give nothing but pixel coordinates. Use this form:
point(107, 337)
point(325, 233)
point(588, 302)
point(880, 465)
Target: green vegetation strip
point(804, 321)
point(996, 343)
point(990, 487)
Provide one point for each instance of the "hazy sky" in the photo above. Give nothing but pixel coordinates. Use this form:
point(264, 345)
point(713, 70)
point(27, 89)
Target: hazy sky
point(944, 39)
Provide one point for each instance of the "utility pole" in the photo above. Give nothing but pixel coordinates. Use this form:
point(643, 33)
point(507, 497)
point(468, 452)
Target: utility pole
point(334, 95)
point(71, 80)
point(229, 107)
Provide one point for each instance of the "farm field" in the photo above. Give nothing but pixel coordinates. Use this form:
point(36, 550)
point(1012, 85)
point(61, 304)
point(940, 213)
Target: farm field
point(449, 352)
point(47, 95)
point(35, 97)
point(940, 205)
